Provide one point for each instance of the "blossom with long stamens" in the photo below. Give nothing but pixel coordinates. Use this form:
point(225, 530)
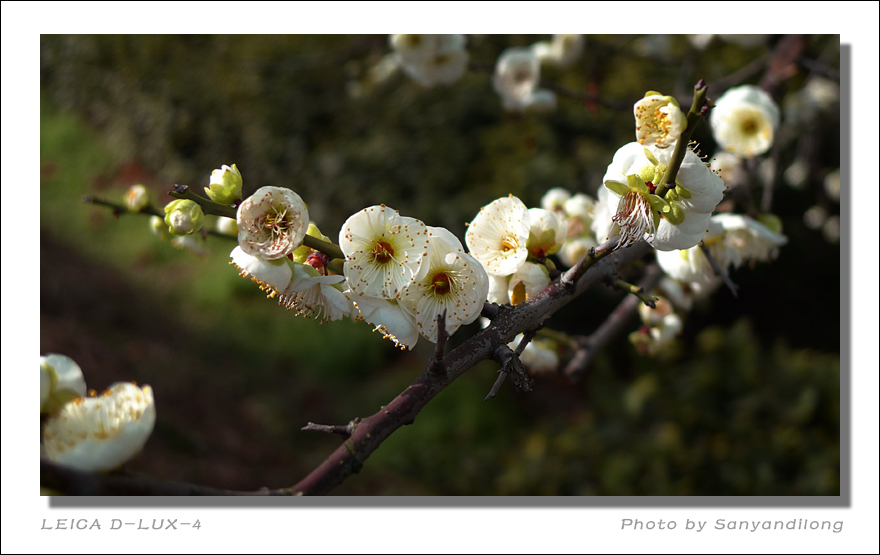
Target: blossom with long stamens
point(316, 296)
point(384, 251)
point(455, 284)
point(499, 234)
point(676, 221)
point(272, 223)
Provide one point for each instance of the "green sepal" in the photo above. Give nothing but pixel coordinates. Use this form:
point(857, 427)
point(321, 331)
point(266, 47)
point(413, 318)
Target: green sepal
point(658, 204)
point(652, 93)
point(648, 173)
point(617, 187)
point(681, 191)
point(638, 185)
point(671, 195)
point(651, 158)
point(675, 215)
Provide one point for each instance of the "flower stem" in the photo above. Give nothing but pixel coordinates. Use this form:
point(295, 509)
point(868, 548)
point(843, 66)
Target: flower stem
point(208, 206)
point(331, 250)
point(699, 108)
point(649, 300)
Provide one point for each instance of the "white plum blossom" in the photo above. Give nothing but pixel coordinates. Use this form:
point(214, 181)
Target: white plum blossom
point(137, 198)
point(384, 251)
point(676, 221)
point(498, 289)
point(499, 234)
point(691, 265)
point(388, 317)
point(316, 296)
point(61, 379)
point(555, 198)
point(273, 276)
point(659, 121)
point(101, 433)
point(455, 282)
point(272, 223)
point(547, 233)
point(432, 59)
point(576, 248)
point(516, 79)
point(527, 282)
point(752, 240)
point(562, 51)
point(744, 121)
point(727, 166)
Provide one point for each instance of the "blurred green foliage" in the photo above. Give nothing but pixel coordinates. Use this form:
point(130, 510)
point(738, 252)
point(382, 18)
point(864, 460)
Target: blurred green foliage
point(746, 402)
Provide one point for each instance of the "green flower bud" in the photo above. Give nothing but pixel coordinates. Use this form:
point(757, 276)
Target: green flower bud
point(225, 185)
point(183, 217)
point(159, 227)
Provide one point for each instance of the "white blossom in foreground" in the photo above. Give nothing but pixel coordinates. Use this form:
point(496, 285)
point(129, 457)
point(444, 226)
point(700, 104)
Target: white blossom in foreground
point(563, 51)
point(432, 59)
point(455, 282)
point(388, 317)
point(676, 221)
point(103, 432)
point(272, 223)
point(659, 121)
point(384, 251)
point(744, 121)
point(61, 379)
point(499, 234)
point(273, 276)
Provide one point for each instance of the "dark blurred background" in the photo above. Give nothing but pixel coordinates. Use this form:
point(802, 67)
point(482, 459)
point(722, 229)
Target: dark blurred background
point(745, 402)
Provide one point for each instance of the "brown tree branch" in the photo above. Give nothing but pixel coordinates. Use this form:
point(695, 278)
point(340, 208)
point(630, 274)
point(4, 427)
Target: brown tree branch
point(610, 328)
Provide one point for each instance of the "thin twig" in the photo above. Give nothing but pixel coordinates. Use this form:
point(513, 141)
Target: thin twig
point(718, 269)
point(637, 291)
point(345, 431)
point(610, 328)
point(151, 210)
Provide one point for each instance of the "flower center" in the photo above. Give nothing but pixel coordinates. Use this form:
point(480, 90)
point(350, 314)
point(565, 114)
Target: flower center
point(441, 284)
point(508, 244)
point(749, 126)
point(634, 217)
point(383, 252)
point(277, 224)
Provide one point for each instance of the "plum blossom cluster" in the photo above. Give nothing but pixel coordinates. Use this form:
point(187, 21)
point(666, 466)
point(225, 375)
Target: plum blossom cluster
point(512, 243)
point(578, 211)
point(86, 430)
point(395, 272)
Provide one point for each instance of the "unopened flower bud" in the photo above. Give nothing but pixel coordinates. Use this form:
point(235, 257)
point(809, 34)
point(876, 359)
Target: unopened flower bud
point(137, 198)
point(225, 185)
point(159, 228)
point(183, 217)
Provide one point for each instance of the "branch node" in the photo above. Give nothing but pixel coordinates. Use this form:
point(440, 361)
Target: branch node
point(345, 431)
